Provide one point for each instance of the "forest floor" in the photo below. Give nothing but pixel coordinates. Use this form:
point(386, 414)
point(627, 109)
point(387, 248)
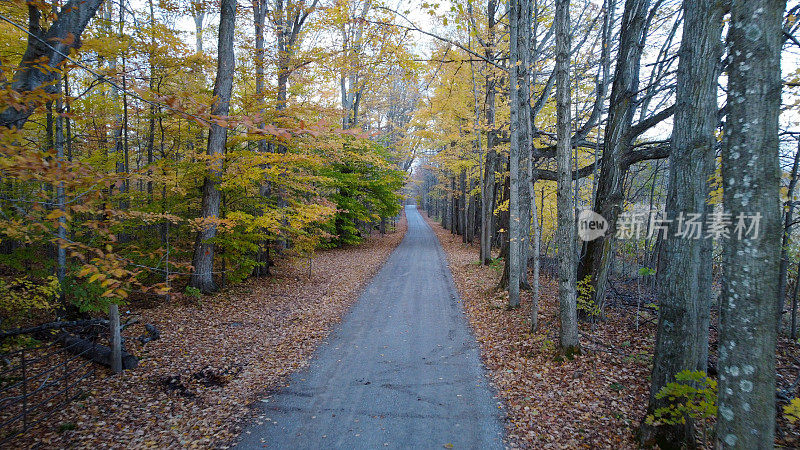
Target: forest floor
point(593, 401)
point(596, 400)
point(194, 387)
point(402, 371)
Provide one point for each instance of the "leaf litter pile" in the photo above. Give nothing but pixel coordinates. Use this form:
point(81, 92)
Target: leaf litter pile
point(194, 387)
point(597, 399)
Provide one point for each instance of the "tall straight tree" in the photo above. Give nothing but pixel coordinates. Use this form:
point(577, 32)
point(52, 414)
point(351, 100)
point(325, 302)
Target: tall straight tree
point(751, 184)
point(260, 11)
point(489, 191)
point(515, 8)
point(203, 258)
point(198, 10)
point(567, 264)
point(684, 288)
point(525, 186)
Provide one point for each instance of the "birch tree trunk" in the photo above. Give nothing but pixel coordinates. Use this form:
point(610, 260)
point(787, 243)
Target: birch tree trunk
point(568, 337)
point(535, 249)
point(751, 183)
point(682, 336)
point(199, 15)
point(61, 231)
point(203, 258)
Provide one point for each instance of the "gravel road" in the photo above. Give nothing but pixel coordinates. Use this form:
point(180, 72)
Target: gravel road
point(402, 370)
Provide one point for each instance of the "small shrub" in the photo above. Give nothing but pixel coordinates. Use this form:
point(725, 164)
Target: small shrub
point(497, 264)
point(22, 296)
point(646, 272)
point(792, 410)
point(693, 396)
point(193, 292)
point(585, 300)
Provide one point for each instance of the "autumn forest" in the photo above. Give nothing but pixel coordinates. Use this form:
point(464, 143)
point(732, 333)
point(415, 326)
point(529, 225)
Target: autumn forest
point(360, 224)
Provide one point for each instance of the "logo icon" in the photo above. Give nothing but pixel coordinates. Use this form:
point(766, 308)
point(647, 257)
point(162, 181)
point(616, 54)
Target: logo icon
point(591, 225)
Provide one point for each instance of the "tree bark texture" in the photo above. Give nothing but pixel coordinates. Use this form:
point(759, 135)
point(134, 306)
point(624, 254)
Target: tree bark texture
point(568, 313)
point(685, 276)
point(203, 258)
point(751, 183)
point(515, 8)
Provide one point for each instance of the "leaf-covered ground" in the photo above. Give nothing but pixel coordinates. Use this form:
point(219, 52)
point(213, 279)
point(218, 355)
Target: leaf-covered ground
point(596, 400)
point(195, 385)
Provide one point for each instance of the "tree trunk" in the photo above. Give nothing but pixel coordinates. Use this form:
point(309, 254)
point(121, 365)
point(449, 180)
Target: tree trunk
point(795, 293)
point(453, 206)
point(609, 195)
point(281, 25)
point(203, 258)
point(516, 7)
point(474, 214)
point(464, 205)
point(489, 194)
point(568, 338)
point(537, 245)
point(151, 133)
point(751, 184)
point(705, 299)
point(787, 232)
point(61, 251)
point(502, 238)
point(122, 136)
point(199, 15)
point(259, 19)
point(487, 178)
point(525, 138)
point(534, 222)
point(444, 211)
point(685, 276)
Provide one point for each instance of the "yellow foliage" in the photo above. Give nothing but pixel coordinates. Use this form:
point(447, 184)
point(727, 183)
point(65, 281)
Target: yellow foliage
point(20, 296)
point(792, 410)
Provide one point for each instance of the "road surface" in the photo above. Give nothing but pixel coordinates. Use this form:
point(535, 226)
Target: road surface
point(402, 370)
